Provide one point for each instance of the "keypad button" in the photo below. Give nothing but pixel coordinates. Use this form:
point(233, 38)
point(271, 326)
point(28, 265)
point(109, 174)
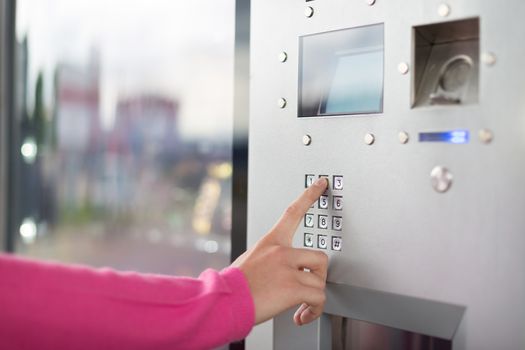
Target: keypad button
point(309, 220)
point(337, 243)
point(338, 182)
point(337, 223)
point(337, 203)
point(323, 221)
point(328, 179)
point(323, 202)
point(309, 240)
point(322, 241)
point(309, 179)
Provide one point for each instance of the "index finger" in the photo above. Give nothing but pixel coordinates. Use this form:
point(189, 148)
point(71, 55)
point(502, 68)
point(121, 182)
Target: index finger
point(285, 228)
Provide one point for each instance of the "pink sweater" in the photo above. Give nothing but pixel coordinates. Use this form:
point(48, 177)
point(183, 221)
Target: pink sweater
point(52, 306)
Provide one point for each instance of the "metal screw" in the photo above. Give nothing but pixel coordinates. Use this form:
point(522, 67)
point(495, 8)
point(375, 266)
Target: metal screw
point(403, 68)
point(307, 140)
point(369, 139)
point(444, 10)
point(309, 11)
point(486, 136)
point(283, 56)
point(403, 137)
point(281, 102)
point(370, 2)
point(489, 58)
point(441, 179)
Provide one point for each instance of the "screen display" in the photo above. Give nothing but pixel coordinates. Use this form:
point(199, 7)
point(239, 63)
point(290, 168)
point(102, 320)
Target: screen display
point(454, 136)
point(341, 72)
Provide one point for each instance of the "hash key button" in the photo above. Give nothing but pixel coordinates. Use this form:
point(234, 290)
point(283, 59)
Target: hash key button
point(337, 243)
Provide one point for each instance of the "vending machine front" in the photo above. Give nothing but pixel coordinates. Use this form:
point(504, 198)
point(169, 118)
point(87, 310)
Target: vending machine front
point(415, 111)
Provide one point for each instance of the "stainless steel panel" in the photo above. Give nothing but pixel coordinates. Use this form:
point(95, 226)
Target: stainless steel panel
point(464, 247)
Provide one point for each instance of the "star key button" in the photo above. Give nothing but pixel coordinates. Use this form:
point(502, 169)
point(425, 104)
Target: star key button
point(308, 240)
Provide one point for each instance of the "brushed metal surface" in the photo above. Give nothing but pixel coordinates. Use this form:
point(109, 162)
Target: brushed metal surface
point(465, 247)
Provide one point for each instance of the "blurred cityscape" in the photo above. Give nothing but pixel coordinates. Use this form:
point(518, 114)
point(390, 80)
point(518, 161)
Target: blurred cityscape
point(136, 195)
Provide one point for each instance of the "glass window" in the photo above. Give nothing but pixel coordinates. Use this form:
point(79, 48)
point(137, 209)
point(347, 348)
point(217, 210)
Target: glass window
point(341, 72)
point(124, 132)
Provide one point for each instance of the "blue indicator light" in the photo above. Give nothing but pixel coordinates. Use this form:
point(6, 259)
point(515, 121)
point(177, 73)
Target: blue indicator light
point(454, 136)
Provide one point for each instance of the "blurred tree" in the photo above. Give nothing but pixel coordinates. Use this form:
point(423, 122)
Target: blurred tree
point(39, 118)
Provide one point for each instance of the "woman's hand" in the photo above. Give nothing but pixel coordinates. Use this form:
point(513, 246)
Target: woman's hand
point(276, 272)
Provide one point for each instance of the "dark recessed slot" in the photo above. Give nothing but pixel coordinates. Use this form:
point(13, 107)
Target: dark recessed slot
point(446, 63)
point(349, 334)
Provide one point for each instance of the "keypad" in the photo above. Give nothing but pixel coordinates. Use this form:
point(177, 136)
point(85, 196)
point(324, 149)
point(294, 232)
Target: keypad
point(324, 221)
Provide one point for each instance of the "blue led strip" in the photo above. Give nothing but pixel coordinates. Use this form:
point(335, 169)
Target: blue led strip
point(454, 136)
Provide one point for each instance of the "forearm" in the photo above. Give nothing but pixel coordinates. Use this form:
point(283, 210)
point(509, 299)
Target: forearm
point(49, 306)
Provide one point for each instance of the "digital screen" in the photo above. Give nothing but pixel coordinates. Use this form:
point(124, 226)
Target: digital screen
point(341, 72)
point(357, 85)
point(454, 136)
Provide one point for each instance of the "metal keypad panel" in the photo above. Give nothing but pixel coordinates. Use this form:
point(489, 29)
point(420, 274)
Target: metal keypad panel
point(323, 224)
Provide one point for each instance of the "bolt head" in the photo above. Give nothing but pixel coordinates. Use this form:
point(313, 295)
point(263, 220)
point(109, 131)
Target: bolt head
point(369, 139)
point(489, 58)
point(441, 179)
point(309, 11)
point(403, 68)
point(444, 10)
point(486, 136)
point(307, 140)
point(403, 137)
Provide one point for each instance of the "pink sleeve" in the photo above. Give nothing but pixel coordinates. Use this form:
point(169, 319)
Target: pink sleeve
point(52, 306)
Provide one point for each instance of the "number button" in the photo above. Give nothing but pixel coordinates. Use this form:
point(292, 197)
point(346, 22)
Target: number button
point(322, 241)
point(337, 203)
point(309, 220)
point(338, 182)
point(308, 240)
point(309, 180)
point(323, 221)
point(337, 243)
point(337, 223)
point(328, 180)
point(323, 202)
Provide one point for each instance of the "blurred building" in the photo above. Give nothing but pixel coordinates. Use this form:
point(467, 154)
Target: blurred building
point(78, 106)
point(146, 126)
point(78, 135)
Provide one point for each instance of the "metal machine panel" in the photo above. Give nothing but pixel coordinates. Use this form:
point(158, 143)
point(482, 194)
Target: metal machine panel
point(439, 221)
